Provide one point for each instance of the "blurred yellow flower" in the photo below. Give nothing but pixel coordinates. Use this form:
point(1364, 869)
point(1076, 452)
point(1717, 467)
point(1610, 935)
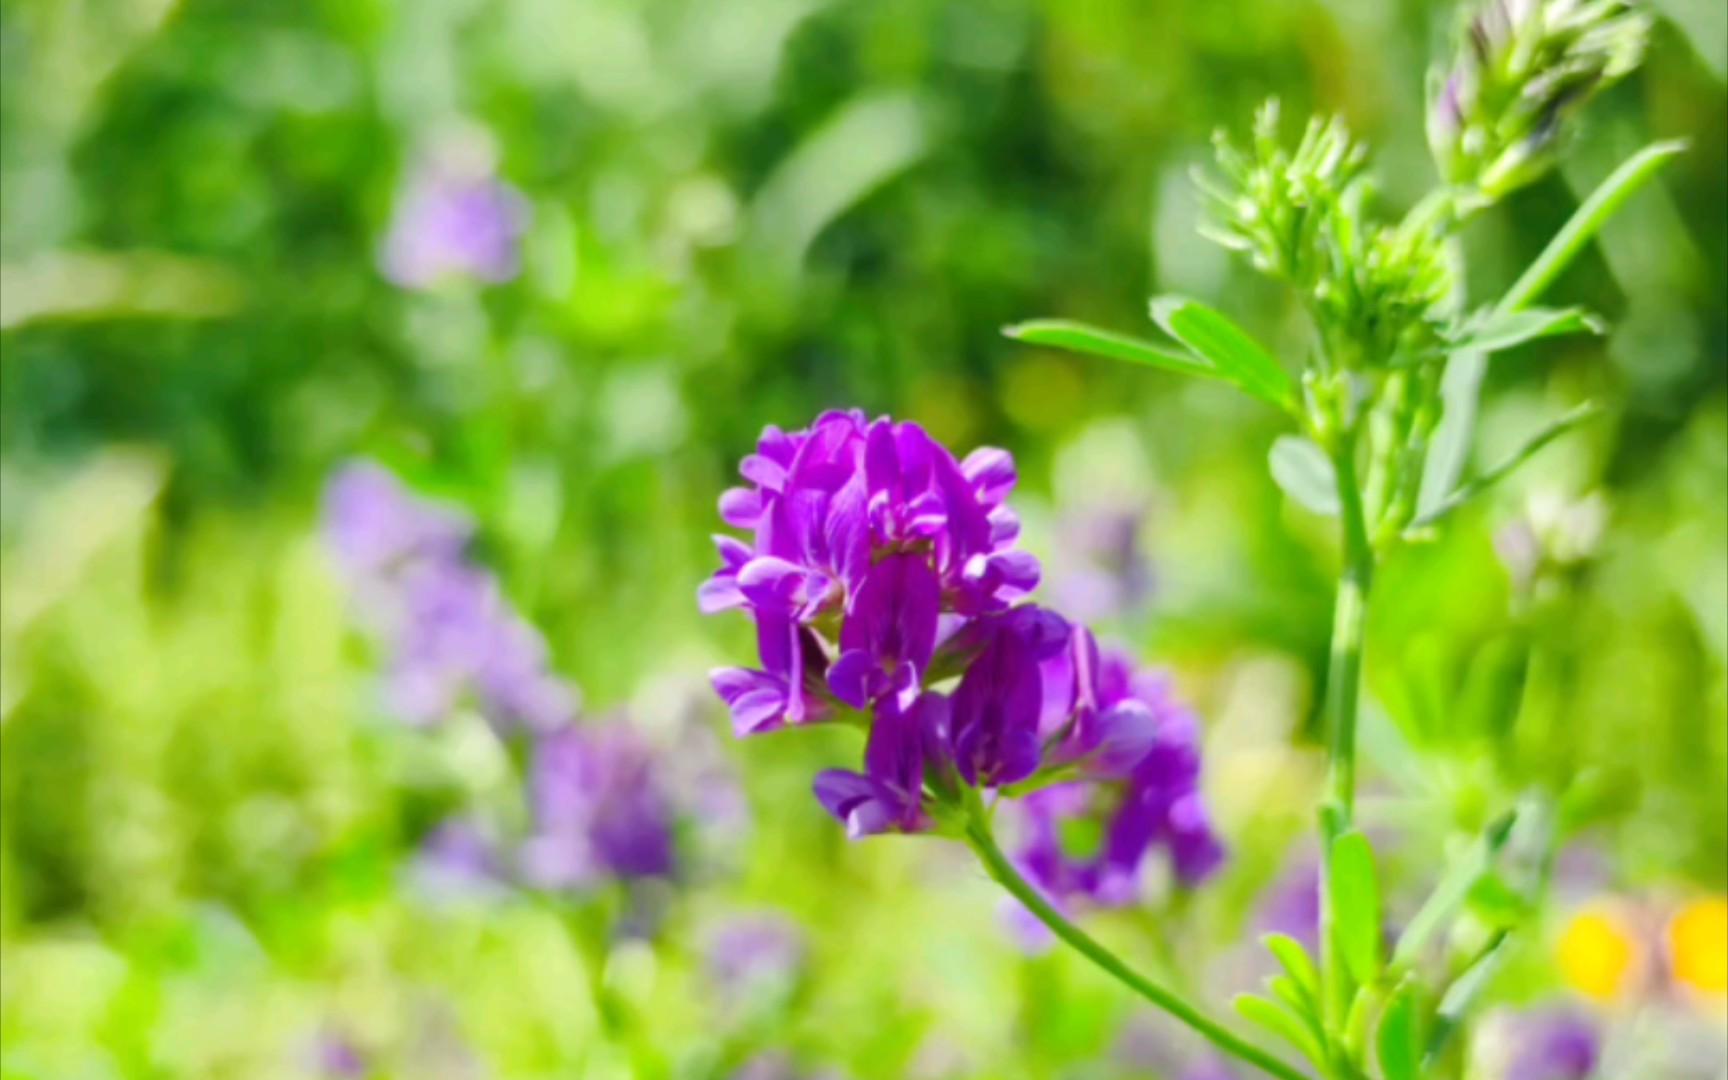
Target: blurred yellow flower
point(1698, 945)
point(1596, 953)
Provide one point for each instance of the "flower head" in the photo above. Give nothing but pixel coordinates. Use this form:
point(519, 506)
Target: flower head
point(450, 635)
point(1556, 1045)
point(1139, 749)
point(885, 587)
point(599, 809)
point(1523, 70)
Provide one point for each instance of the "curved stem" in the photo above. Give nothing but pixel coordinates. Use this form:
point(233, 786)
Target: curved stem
point(979, 837)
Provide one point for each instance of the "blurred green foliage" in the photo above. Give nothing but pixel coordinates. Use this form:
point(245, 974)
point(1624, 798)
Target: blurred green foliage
point(741, 214)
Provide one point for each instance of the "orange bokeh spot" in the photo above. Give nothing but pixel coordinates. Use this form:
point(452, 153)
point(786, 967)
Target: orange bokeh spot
point(1596, 952)
point(1698, 945)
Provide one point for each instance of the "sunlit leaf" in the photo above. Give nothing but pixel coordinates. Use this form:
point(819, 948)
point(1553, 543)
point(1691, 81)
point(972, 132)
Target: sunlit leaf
point(1398, 1045)
point(1225, 346)
point(1080, 338)
point(1280, 1022)
point(1608, 197)
point(1295, 961)
point(1452, 890)
point(1355, 892)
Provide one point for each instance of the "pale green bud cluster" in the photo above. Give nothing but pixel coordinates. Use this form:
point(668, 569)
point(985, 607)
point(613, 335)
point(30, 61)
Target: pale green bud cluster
point(1375, 288)
point(1523, 70)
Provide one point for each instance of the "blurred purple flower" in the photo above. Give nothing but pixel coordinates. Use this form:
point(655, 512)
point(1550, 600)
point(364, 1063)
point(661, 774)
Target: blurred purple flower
point(748, 953)
point(1089, 841)
point(450, 635)
point(779, 1065)
point(1098, 571)
point(599, 809)
point(336, 1057)
point(459, 859)
point(454, 218)
point(1558, 1044)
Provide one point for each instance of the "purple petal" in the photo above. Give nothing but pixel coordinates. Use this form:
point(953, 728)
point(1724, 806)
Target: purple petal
point(1121, 738)
point(849, 677)
point(741, 508)
point(991, 472)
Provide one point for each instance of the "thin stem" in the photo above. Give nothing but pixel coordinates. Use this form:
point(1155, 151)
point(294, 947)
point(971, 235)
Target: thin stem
point(979, 837)
point(1343, 680)
point(1344, 674)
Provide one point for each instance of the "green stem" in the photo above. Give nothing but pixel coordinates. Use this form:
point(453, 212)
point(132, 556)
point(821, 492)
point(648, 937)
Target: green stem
point(1343, 682)
point(979, 837)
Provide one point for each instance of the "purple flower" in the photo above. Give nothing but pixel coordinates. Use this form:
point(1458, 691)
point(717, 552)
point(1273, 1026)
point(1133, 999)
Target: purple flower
point(454, 218)
point(879, 568)
point(1136, 748)
point(788, 689)
point(994, 735)
point(598, 808)
point(888, 796)
point(889, 633)
point(450, 636)
point(875, 523)
point(1554, 1045)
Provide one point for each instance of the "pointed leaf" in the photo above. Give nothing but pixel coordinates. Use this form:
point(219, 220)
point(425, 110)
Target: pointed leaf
point(1295, 961)
point(1225, 346)
point(1463, 379)
point(1355, 893)
point(1487, 480)
point(1305, 473)
point(1452, 890)
point(1280, 1022)
point(1586, 221)
point(1497, 332)
point(1398, 1044)
point(1080, 338)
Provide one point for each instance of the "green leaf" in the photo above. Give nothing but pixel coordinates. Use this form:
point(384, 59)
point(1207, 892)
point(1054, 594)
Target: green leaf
point(1080, 338)
point(1498, 332)
point(1462, 382)
point(1461, 996)
point(1225, 346)
point(1586, 222)
point(1295, 961)
point(1355, 893)
point(1398, 1044)
point(1505, 468)
point(1296, 999)
point(1305, 473)
point(1280, 1022)
point(1452, 890)
point(1497, 903)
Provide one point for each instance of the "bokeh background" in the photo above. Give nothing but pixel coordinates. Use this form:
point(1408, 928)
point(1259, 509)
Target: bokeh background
point(223, 273)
